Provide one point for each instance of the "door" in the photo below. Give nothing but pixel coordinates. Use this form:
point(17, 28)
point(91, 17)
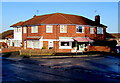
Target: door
point(50, 45)
point(80, 47)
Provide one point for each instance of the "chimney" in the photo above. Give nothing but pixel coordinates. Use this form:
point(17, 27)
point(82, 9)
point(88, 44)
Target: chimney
point(97, 19)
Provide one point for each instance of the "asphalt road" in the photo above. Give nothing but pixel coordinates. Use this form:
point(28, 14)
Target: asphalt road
point(102, 69)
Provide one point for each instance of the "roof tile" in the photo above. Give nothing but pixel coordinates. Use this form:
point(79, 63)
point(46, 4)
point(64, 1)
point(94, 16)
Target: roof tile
point(58, 18)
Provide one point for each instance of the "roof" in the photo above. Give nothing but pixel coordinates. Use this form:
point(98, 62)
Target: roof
point(17, 24)
point(112, 35)
point(6, 34)
point(58, 18)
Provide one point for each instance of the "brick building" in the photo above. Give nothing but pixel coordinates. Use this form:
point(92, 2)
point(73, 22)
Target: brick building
point(6, 37)
point(62, 32)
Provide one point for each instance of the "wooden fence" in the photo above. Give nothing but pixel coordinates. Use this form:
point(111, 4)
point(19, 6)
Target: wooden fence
point(32, 52)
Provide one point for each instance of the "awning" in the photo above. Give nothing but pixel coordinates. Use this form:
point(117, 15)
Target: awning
point(33, 37)
point(83, 39)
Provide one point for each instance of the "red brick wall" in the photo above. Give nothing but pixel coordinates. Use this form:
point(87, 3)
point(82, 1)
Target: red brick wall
point(95, 36)
point(71, 32)
point(63, 50)
point(45, 44)
point(99, 48)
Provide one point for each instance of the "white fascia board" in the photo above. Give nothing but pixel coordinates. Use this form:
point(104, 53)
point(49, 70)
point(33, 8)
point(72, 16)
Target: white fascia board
point(56, 40)
point(50, 39)
point(66, 39)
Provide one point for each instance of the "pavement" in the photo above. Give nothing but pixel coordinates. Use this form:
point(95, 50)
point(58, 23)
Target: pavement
point(17, 58)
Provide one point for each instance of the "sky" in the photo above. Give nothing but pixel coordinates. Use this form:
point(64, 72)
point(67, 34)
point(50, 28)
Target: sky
point(13, 12)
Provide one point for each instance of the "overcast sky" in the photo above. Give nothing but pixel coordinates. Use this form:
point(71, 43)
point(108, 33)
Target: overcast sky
point(13, 12)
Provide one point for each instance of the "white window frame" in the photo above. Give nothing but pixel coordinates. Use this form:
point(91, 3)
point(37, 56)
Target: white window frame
point(83, 28)
point(36, 43)
point(99, 30)
point(62, 28)
point(34, 29)
point(48, 30)
point(31, 44)
point(91, 30)
point(16, 29)
point(19, 29)
point(65, 47)
point(24, 29)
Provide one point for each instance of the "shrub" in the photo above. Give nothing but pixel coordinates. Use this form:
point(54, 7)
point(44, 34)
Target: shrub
point(43, 47)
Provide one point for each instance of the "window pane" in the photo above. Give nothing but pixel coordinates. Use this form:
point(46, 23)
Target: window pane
point(34, 29)
point(92, 30)
point(80, 29)
point(29, 44)
point(64, 43)
point(36, 44)
point(63, 28)
point(99, 30)
point(49, 28)
point(19, 29)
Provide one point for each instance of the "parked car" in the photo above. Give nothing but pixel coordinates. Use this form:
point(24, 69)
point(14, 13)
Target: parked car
point(116, 49)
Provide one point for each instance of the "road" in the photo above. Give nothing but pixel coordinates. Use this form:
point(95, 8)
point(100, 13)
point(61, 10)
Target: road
point(102, 69)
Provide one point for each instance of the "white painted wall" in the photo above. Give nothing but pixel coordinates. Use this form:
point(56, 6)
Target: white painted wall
point(10, 42)
point(18, 34)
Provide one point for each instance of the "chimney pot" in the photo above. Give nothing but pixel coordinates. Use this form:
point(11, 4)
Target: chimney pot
point(34, 16)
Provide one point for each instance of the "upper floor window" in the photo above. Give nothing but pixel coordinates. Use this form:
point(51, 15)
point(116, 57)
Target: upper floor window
point(34, 29)
point(91, 30)
point(99, 30)
point(17, 29)
point(65, 43)
point(49, 28)
point(24, 29)
point(63, 28)
point(79, 29)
